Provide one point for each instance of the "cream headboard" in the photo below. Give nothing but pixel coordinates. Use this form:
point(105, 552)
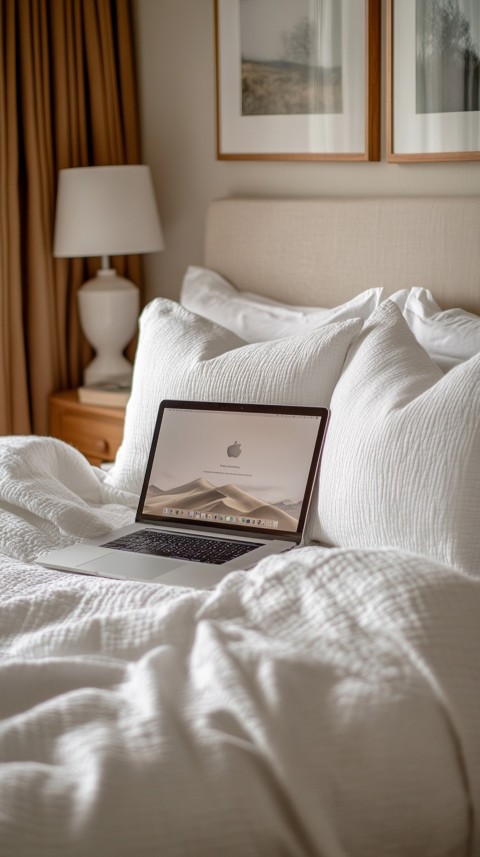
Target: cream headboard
point(321, 252)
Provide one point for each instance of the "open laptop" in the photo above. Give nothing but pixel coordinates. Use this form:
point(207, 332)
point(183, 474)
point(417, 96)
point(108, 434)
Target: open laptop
point(225, 485)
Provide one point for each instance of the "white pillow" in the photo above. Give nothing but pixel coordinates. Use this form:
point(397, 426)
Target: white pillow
point(183, 356)
point(257, 319)
point(401, 463)
point(450, 336)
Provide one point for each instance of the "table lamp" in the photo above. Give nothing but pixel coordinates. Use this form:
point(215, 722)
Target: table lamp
point(107, 211)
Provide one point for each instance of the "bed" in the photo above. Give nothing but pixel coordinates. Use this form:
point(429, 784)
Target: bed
point(325, 702)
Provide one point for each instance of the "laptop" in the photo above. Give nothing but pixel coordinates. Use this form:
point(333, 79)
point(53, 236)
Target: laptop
point(225, 485)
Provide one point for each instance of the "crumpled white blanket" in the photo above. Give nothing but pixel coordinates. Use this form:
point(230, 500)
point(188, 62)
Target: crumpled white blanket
point(324, 703)
point(50, 497)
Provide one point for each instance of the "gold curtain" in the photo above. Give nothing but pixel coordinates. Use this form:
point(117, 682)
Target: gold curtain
point(67, 99)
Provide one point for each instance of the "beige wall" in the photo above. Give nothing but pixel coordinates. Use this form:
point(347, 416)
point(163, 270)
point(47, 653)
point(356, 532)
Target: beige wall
point(176, 71)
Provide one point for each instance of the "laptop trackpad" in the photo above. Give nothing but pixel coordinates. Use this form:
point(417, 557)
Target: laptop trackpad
point(132, 566)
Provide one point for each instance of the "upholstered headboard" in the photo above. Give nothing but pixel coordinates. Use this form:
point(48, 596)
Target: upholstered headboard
point(324, 251)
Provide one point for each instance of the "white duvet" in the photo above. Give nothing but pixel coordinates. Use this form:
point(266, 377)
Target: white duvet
point(325, 703)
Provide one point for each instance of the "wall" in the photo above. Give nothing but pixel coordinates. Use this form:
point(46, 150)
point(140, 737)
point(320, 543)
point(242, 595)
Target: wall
point(176, 73)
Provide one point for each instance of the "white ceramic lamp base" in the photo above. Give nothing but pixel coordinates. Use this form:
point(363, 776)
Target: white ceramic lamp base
point(109, 307)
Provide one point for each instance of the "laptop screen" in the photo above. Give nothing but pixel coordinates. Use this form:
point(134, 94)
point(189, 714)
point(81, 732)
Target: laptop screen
point(247, 467)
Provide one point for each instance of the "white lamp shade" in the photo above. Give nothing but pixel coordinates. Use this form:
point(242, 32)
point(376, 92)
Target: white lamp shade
point(106, 211)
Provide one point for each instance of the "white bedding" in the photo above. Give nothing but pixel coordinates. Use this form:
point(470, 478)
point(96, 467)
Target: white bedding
point(50, 496)
point(325, 703)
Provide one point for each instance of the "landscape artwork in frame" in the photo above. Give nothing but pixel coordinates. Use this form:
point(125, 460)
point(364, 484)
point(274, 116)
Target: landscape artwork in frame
point(433, 70)
point(298, 79)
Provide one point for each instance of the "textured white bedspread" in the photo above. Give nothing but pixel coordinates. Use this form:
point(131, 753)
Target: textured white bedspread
point(326, 703)
point(50, 497)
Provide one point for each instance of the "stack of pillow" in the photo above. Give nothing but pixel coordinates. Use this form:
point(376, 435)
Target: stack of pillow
point(449, 336)
point(257, 319)
point(401, 463)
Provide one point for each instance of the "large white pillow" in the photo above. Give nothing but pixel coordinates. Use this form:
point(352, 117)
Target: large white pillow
point(401, 463)
point(183, 356)
point(450, 336)
point(257, 319)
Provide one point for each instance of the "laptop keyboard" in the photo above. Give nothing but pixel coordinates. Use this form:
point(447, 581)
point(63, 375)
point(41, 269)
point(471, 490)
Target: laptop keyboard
point(175, 546)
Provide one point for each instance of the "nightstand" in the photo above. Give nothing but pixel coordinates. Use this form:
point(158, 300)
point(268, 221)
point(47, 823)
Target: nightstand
point(95, 430)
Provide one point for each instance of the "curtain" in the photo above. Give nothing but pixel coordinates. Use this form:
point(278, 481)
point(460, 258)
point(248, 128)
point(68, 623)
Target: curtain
point(67, 99)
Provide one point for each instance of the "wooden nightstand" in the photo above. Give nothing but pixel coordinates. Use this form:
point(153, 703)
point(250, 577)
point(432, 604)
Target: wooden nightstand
point(96, 431)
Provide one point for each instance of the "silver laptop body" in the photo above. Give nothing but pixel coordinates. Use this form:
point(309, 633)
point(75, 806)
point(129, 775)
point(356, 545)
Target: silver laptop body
point(221, 479)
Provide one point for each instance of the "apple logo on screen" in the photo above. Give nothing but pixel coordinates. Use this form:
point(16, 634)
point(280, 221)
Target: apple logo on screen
point(234, 450)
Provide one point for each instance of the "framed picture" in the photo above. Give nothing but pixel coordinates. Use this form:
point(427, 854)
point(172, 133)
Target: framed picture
point(433, 80)
point(298, 79)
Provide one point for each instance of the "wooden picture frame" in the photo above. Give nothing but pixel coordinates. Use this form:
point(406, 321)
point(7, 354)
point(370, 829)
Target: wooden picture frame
point(433, 81)
point(296, 107)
